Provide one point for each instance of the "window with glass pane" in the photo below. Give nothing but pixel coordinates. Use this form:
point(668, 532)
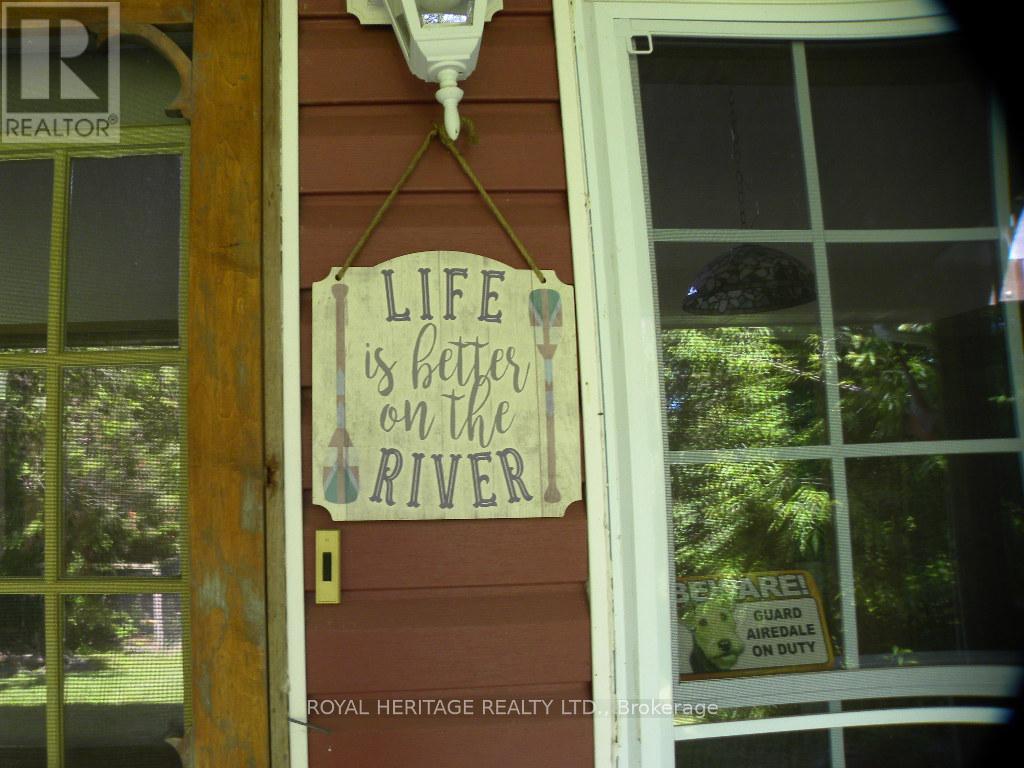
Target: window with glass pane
point(26, 197)
point(93, 591)
point(122, 251)
point(841, 380)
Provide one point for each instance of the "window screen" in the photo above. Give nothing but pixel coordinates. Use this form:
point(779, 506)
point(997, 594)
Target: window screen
point(841, 390)
point(94, 660)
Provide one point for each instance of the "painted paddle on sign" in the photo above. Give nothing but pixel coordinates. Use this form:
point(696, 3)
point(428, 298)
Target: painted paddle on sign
point(546, 319)
point(340, 473)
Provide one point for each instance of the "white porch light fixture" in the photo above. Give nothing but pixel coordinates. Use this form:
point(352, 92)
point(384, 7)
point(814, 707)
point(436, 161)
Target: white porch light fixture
point(440, 40)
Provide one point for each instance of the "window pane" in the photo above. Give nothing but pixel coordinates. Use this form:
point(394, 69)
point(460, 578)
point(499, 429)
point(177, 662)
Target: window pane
point(22, 682)
point(22, 438)
point(921, 342)
point(798, 749)
point(902, 133)
point(737, 379)
point(26, 202)
point(123, 689)
point(123, 485)
point(123, 251)
point(937, 542)
point(731, 519)
point(923, 746)
point(721, 135)
point(914, 746)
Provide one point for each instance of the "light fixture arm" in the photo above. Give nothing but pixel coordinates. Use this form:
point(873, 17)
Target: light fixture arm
point(448, 96)
point(440, 40)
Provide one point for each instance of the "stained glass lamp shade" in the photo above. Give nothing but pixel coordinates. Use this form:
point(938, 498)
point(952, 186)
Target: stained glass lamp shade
point(748, 279)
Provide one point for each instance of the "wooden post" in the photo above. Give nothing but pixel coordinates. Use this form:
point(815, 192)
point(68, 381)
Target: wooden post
point(226, 462)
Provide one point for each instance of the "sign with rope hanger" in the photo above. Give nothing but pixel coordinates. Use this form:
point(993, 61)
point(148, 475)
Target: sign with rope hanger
point(444, 382)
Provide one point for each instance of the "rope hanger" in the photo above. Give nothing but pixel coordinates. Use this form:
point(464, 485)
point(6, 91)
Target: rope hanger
point(438, 132)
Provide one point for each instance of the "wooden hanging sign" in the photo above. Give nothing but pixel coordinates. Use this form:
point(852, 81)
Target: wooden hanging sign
point(444, 386)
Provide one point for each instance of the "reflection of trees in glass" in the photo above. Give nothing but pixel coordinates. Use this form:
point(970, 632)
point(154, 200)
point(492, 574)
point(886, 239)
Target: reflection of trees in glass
point(937, 545)
point(903, 543)
point(926, 381)
point(734, 518)
point(921, 572)
point(748, 387)
point(122, 474)
point(890, 385)
point(742, 387)
point(22, 432)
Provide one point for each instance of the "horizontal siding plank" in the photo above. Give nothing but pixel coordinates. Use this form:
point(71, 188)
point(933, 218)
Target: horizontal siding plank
point(559, 737)
point(456, 742)
point(345, 149)
point(463, 553)
point(448, 638)
point(335, 8)
point(456, 221)
point(374, 703)
point(517, 63)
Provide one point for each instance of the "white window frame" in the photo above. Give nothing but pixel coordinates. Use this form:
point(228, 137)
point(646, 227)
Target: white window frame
point(619, 368)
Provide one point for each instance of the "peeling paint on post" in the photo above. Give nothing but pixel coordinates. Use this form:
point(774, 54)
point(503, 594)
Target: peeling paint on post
point(211, 592)
point(252, 504)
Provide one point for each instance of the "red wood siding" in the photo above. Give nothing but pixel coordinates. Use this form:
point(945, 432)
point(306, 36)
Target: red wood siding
point(492, 609)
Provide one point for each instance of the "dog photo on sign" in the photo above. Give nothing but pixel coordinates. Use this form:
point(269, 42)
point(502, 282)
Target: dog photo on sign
point(717, 644)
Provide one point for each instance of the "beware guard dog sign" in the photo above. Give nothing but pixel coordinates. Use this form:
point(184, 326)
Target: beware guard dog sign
point(751, 624)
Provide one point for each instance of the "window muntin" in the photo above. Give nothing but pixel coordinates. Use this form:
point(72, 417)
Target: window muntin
point(971, 424)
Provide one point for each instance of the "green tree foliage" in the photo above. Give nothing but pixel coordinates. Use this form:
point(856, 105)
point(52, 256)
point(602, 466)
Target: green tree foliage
point(743, 387)
point(122, 482)
point(122, 492)
point(22, 436)
point(122, 474)
point(890, 383)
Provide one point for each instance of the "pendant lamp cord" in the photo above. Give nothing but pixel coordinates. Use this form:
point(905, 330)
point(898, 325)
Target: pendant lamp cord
point(737, 158)
point(438, 132)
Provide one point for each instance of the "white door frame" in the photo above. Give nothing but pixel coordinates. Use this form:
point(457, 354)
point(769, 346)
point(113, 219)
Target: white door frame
point(619, 369)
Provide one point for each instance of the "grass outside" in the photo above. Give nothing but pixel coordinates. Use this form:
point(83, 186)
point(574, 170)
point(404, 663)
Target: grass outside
point(125, 678)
